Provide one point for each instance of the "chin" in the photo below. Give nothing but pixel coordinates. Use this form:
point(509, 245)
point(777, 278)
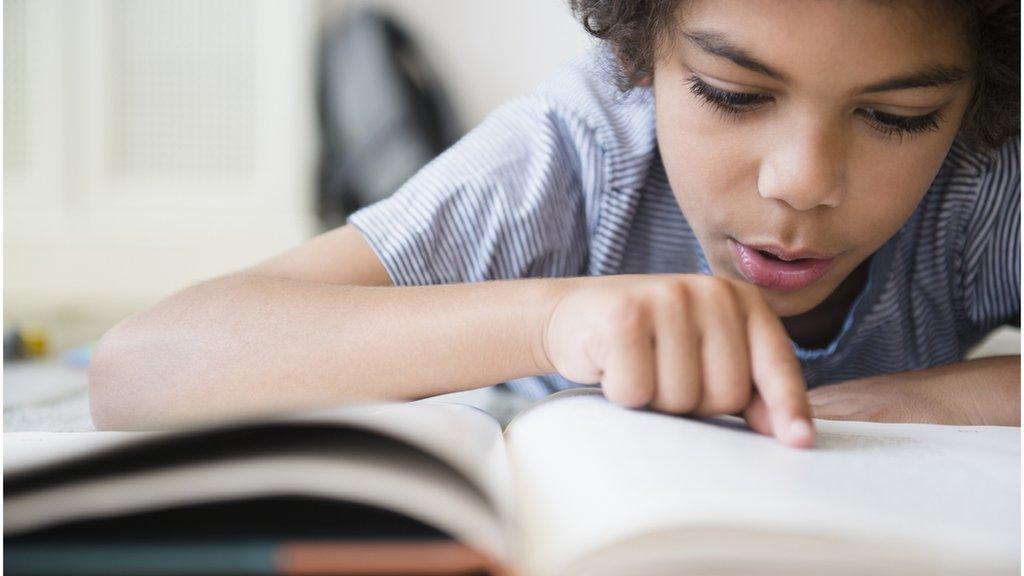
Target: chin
point(790, 304)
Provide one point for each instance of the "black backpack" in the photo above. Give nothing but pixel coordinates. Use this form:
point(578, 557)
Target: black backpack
point(382, 113)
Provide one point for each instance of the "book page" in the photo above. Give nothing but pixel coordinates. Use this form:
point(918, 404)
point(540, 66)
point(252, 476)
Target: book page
point(420, 488)
point(465, 437)
point(28, 450)
point(588, 474)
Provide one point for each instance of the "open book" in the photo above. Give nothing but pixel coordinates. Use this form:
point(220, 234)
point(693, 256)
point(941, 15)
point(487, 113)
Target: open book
point(573, 485)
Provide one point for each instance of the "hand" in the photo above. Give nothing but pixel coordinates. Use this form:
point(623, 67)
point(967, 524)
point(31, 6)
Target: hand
point(682, 344)
point(884, 399)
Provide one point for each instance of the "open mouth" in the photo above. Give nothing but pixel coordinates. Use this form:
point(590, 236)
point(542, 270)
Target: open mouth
point(770, 271)
point(771, 256)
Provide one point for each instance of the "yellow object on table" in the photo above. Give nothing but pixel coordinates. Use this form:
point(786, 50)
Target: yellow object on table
point(34, 342)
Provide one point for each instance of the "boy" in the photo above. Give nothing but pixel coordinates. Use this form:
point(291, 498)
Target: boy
point(792, 194)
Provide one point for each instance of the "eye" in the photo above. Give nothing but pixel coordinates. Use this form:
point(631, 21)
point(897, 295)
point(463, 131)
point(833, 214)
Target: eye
point(736, 103)
point(724, 100)
point(896, 125)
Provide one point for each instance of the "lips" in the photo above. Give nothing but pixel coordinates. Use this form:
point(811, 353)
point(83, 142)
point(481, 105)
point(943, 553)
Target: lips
point(775, 268)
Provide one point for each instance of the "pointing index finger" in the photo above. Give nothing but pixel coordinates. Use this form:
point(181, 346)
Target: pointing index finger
point(778, 377)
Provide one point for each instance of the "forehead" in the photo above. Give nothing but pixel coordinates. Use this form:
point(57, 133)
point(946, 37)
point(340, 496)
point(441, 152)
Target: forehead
point(845, 41)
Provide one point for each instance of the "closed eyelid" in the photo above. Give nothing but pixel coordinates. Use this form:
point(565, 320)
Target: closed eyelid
point(910, 113)
point(699, 83)
point(718, 83)
point(739, 103)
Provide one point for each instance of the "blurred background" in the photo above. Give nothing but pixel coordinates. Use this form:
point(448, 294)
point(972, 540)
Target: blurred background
point(148, 145)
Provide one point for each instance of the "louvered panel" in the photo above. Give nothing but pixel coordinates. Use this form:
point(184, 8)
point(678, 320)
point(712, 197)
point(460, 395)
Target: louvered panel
point(15, 89)
point(181, 87)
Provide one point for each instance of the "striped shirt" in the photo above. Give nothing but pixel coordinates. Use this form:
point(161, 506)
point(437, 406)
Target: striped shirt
point(568, 181)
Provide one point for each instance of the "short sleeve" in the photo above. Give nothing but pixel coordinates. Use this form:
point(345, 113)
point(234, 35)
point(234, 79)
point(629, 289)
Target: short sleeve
point(991, 261)
point(506, 201)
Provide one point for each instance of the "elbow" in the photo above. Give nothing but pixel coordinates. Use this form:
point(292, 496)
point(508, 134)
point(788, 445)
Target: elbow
point(117, 387)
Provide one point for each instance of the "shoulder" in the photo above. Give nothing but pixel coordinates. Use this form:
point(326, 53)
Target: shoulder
point(620, 123)
point(575, 116)
point(1002, 161)
point(991, 175)
point(993, 202)
point(999, 178)
point(973, 191)
point(968, 219)
point(986, 243)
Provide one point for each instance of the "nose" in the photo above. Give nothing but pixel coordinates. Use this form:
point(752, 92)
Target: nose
point(805, 169)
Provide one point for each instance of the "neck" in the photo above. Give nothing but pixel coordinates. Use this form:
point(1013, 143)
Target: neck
point(821, 324)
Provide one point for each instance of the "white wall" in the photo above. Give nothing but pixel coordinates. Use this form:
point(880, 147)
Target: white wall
point(157, 143)
point(485, 51)
point(87, 242)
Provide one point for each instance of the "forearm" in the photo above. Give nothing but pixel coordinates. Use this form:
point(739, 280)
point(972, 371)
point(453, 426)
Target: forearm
point(243, 345)
point(986, 391)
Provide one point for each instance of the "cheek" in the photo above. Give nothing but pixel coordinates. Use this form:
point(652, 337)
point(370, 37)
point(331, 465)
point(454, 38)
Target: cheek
point(890, 183)
point(706, 159)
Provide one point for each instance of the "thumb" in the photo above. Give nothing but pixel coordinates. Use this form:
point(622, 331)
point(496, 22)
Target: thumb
point(756, 415)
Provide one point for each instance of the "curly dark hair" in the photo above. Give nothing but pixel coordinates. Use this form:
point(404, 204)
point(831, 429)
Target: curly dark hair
point(633, 28)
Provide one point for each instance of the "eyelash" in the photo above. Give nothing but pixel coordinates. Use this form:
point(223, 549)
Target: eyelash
point(734, 104)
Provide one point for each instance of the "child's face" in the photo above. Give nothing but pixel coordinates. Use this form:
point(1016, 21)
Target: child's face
point(807, 165)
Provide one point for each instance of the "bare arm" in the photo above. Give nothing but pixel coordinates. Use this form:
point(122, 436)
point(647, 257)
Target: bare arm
point(983, 391)
point(317, 325)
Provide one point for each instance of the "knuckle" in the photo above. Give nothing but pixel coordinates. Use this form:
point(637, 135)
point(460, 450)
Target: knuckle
point(683, 401)
point(629, 315)
point(670, 299)
point(727, 393)
point(735, 397)
point(748, 294)
point(685, 404)
point(719, 293)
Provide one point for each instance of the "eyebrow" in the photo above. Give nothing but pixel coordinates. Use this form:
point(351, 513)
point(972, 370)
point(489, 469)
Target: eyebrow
point(932, 76)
